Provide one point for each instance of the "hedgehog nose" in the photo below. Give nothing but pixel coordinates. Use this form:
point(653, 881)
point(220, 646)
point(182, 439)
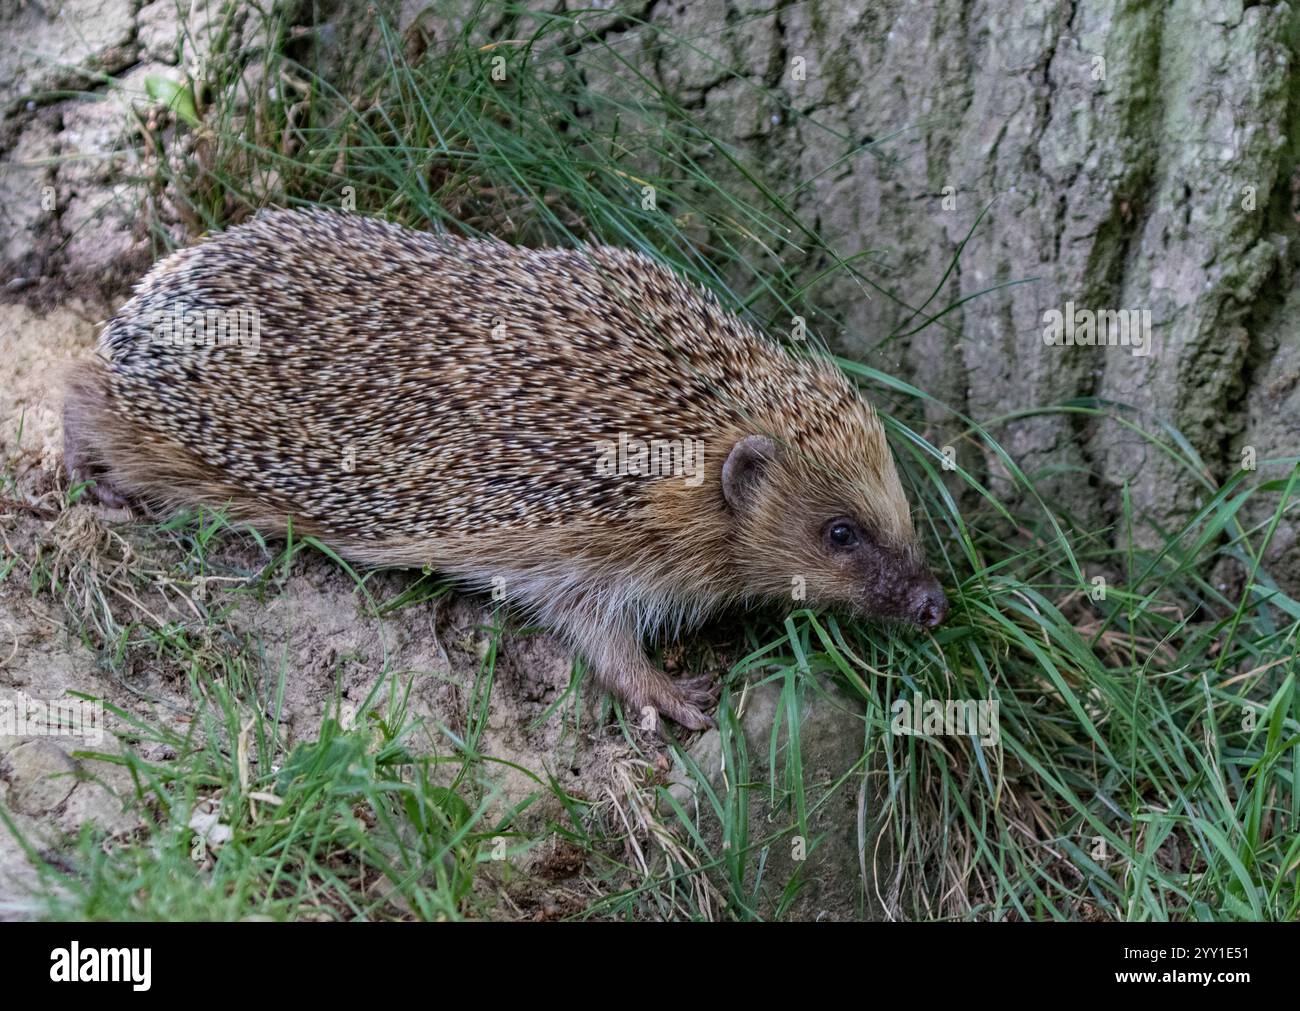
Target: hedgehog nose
point(929, 605)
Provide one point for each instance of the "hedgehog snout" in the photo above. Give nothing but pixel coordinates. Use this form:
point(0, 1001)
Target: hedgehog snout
point(927, 603)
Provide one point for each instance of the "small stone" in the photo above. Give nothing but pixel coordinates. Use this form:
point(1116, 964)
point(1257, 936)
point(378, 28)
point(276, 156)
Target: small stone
point(41, 775)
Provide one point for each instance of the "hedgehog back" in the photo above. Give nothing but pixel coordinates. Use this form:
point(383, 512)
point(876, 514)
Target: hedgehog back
point(403, 382)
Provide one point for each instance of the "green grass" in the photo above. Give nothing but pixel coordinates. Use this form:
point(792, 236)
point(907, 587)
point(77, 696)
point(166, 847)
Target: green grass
point(1148, 749)
point(352, 821)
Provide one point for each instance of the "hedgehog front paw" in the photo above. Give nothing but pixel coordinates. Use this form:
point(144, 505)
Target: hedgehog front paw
point(648, 693)
point(701, 690)
point(683, 701)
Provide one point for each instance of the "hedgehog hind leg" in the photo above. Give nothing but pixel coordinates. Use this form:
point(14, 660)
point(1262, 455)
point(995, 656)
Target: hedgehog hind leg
point(83, 417)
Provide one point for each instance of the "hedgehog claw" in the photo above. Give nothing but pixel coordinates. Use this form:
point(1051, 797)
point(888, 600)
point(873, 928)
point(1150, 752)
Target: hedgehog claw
point(686, 716)
point(701, 689)
point(683, 701)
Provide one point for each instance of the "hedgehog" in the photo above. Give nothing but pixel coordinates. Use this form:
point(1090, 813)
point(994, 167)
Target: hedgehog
point(579, 430)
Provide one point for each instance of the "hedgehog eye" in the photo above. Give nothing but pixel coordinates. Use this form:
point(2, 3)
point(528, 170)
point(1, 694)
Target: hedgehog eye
point(842, 535)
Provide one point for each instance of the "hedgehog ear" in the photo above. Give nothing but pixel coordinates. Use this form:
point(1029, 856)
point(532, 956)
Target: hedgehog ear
point(744, 467)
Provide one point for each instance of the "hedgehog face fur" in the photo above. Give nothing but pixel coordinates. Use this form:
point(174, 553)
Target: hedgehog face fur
point(417, 400)
point(850, 542)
